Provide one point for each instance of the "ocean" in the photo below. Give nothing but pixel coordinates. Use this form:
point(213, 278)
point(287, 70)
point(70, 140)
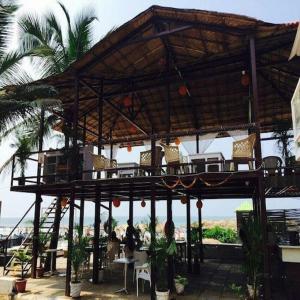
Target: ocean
point(9, 222)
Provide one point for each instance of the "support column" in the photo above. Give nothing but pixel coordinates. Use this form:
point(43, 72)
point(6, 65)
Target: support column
point(81, 214)
point(260, 185)
point(38, 200)
point(70, 243)
point(152, 217)
point(110, 215)
point(188, 234)
point(96, 237)
point(131, 205)
point(200, 235)
point(74, 175)
point(170, 239)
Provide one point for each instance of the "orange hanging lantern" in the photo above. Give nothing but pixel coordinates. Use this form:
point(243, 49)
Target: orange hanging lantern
point(177, 141)
point(64, 202)
point(183, 199)
point(129, 148)
point(116, 202)
point(199, 204)
point(245, 79)
point(162, 62)
point(133, 129)
point(143, 203)
point(127, 101)
point(182, 90)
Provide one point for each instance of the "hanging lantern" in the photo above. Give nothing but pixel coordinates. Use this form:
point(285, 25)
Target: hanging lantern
point(162, 62)
point(182, 90)
point(245, 79)
point(183, 199)
point(133, 130)
point(127, 101)
point(116, 202)
point(199, 204)
point(177, 141)
point(129, 148)
point(143, 203)
point(64, 202)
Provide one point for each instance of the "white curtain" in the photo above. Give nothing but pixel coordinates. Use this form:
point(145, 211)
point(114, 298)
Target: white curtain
point(296, 47)
point(115, 149)
point(238, 134)
point(190, 145)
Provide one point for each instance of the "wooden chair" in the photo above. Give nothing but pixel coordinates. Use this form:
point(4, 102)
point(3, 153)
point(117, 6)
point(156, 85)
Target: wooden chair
point(174, 159)
point(101, 163)
point(242, 151)
point(272, 165)
point(145, 160)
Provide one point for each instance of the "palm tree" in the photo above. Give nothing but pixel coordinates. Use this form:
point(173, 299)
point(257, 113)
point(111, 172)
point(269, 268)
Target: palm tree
point(52, 50)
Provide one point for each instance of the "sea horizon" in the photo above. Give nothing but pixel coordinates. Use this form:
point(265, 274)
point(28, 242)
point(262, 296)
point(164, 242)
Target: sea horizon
point(89, 220)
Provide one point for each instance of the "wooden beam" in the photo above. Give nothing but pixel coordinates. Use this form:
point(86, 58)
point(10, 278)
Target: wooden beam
point(115, 108)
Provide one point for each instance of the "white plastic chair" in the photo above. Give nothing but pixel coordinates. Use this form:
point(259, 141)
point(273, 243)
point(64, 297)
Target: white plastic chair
point(141, 258)
point(142, 272)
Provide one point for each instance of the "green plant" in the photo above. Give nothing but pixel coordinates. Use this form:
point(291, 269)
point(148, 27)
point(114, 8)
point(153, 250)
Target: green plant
point(78, 252)
point(43, 240)
point(282, 133)
point(251, 237)
point(237, 290)
point(181, 280)
point(22, 256)
point(114, 223)
point(224, 235)
point(160, 250)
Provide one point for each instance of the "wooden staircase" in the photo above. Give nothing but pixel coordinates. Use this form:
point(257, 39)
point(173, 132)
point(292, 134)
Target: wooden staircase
point(46, 226)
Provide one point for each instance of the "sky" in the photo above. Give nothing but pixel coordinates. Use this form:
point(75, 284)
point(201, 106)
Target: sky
point(114, 13)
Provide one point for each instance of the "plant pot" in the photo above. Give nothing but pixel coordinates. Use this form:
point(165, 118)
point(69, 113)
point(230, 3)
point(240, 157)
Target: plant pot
point(21, 285)
point(162, 295)
point(250, 290)
point(179, 288)
point(101, 275)
point(75, 289)
point(40, 272)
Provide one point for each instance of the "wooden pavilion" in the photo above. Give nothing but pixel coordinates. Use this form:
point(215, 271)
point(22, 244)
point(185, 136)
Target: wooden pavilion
point(184, 73)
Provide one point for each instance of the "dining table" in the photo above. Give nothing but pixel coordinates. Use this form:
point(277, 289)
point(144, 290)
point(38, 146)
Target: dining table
point(125, 261)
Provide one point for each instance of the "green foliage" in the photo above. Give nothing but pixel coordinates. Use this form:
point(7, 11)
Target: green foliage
point(237, 290)
point(224, 235)
point(22, 256)
point(251, 238)
point(114, 223)
point(181, 280)
point(78, 252)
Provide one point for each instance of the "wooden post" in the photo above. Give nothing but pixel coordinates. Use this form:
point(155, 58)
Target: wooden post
point(131, 205)
point(38, 200)
point(153, 216)
point(197, 143)
point(74, 173)
point(81, 213)
point(260, 185)
point(70, 243)
point(170, 239)
point(96, 237)
point(200, 235)
point(110, 215)
point(188, 233)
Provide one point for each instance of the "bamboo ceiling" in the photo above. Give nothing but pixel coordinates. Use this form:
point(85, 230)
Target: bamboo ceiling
point(205, 51)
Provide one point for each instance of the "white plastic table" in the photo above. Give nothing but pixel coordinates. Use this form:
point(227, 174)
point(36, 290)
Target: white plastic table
point(52, 251)
point(126, 262)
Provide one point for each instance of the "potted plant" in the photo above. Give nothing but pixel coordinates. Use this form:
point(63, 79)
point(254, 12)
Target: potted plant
point(160, 250)
point(23, 258)
point(78, 257)
point(251, 237)
point(180, 283)
point(43, 240)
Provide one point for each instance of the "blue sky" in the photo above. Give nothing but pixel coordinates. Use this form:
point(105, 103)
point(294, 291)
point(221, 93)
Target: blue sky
point(114, 13)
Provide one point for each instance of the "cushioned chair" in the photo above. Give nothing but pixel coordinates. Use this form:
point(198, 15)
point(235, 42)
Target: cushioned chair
point(242, 151)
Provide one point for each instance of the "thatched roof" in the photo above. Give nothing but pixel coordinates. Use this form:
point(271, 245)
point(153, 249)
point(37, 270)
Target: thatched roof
point(207, 53)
